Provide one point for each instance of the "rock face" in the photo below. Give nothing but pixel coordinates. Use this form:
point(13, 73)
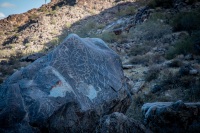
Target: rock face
point(119, 123)
point(67, 90)
point(168, 117)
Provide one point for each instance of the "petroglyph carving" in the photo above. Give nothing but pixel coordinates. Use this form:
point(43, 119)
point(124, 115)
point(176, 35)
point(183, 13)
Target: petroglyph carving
point(65, 91)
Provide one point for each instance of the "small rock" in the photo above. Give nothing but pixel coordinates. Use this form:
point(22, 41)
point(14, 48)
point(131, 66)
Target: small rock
point(193, 72)
point(167, 117)
point(128, 66)
point(175, 63)
point(137, 87)
point(189, 57)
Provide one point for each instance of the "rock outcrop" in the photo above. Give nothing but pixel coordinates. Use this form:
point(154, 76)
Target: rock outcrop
point(119, 123)
point(168, 117)
point(124, 24)
point(67, 90)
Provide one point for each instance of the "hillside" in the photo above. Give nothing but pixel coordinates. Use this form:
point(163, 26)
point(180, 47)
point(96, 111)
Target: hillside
point(157, 41)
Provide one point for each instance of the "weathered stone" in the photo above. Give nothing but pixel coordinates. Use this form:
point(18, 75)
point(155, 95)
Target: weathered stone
point(67, 90)
point(137, 86)
point(119, 123)
point(193, 72)
point(168, 117)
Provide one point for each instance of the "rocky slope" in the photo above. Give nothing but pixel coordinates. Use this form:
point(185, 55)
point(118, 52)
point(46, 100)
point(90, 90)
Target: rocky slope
point(158, 43)
point(43, 28)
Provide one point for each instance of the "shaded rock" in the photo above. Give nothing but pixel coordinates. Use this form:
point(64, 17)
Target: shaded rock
point(33, 57)
point(175, 63)
point(119, 123)
point(168, 117)
point(189, 57)
point(184, 70)
point(137, 86)
point(3, 62)
point(67, 90)
point(193, 72)
point(128, 66)
point(155, 88)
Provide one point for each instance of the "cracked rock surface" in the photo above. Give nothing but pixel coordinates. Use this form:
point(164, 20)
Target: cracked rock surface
point(67, 90)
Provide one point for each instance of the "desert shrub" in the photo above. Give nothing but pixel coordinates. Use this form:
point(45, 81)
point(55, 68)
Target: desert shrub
point(140, 59)
point(85, 30)
point(191, 85)
point(53, 21)
point(181, 47)
point(128, 11)
point(52, 12)
point(194, 92)
point(134, 110)
point(188, 45)
point(100, 26)
point(43, 9)
point(108, 37)
point(155, 16)
point(1, 33)
point(139, 50)
point(111, 37)
point(149, 30)
point(168, 79)
point(175, 63)
point(68, 25)
point(160, 3)
point(156, 58)
point(33, 16)
point(53, 32)
point(152, 73)
point(6, 70)
point(55, 41)
point(187, 21)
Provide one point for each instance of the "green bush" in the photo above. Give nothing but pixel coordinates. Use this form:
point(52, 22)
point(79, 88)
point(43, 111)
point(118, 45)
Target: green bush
point(85, 30)
point(152, 73)
point(187, 21)
point(33, 16)
point(43, 9)
point(139, 50)
point(68, 25)
point(188, 45)
point(1, 33)
point(149, 30)
point(52, 12)
point(160, 3)
point(128, 11)
point(108, 37)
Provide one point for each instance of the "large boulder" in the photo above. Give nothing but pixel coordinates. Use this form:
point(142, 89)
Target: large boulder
point(68, 90)
point(168, 117)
